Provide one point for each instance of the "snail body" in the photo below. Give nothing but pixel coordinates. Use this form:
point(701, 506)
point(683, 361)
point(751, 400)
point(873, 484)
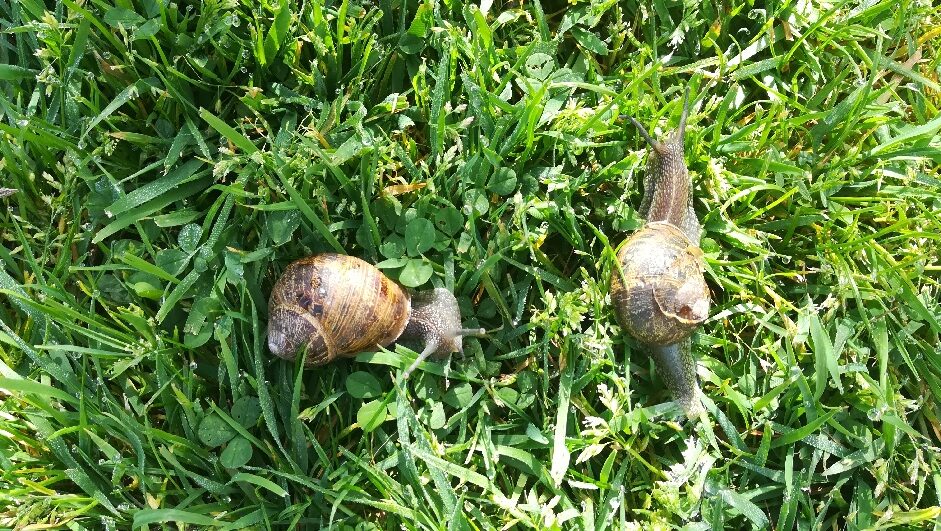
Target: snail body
point(331, 306)
point(659, 292)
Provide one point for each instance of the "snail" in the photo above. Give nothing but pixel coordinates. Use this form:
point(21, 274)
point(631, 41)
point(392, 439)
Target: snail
point(332, 305)
point(658, 291)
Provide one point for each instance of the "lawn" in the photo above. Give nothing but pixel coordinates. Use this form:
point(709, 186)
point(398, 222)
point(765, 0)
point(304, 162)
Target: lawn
point(162, 163)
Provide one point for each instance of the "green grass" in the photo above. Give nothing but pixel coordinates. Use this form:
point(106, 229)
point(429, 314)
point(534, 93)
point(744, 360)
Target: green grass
point(170, 159)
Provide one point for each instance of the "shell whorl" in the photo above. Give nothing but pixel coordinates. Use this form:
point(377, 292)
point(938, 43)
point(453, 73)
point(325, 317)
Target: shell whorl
point(659, 294)
point(334, 305)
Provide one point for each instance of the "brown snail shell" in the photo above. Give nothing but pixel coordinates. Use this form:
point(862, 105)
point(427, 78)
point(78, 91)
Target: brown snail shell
point(337, 305)
point(659, 295)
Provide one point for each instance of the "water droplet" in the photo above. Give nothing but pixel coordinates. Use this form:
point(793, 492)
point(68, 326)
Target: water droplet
point(106, 55)
point(193, 365)
point(874, 414)
point(22, 123)
point(243, 70)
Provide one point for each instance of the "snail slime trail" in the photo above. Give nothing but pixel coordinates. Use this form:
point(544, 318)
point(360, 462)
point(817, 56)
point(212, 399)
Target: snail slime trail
point(659, 292)
point(331, 305)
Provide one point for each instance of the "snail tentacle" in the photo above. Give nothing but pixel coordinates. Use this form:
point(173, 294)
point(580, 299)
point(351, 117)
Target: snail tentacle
point(430, 349)
point(475, 332)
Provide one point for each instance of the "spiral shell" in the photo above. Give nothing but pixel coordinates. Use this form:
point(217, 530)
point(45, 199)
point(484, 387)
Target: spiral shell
point(334, 305)
point(660, 295)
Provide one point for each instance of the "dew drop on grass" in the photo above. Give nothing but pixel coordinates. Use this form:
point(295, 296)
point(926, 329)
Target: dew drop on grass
point(243, 70)
point(106, 55)
point(874, 414)
point(193, 365)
